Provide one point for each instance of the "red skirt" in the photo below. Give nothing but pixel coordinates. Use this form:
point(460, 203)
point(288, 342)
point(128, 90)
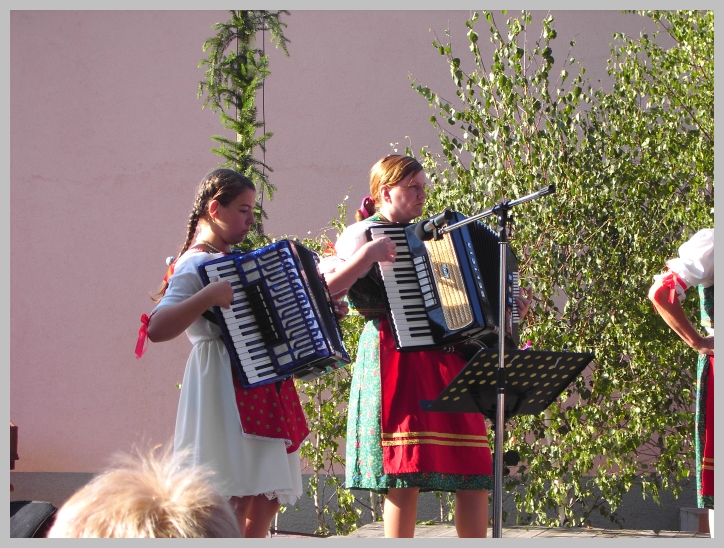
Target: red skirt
point(414, 440)
point(272, 411)
point(707, 463)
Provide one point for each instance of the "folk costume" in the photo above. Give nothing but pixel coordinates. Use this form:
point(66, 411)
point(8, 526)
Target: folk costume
point(391, 441)
point(695, 267)
point(249, 437)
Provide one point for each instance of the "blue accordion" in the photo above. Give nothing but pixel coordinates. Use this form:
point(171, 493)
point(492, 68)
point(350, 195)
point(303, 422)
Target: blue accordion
point(281, 321)
point(446, 292)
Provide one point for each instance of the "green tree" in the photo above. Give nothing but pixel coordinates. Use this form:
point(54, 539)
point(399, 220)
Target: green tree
point(235, 71)
point(325, 406)
point(633, 171)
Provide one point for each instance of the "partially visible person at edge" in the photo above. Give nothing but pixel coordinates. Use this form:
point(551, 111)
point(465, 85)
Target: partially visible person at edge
point(393, 447)
point(694, 267)
point(249, 437)
point(147, 496)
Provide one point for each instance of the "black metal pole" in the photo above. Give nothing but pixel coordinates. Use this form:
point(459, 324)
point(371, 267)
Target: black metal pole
point(501, 210)
point(500, 381)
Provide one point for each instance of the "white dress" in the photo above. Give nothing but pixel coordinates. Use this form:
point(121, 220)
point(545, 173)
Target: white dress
point(207, 422)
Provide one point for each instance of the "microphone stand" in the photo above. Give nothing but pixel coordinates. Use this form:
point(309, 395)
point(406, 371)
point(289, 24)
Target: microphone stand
point(502, 210)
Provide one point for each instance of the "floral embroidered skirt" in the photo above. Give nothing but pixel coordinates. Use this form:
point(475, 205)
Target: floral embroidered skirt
point(391, 441)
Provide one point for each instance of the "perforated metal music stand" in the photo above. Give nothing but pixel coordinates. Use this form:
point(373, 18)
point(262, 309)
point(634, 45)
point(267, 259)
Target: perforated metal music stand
point(533, 380)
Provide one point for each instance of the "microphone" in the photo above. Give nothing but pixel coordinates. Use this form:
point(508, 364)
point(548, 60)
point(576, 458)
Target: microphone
point(425, 230)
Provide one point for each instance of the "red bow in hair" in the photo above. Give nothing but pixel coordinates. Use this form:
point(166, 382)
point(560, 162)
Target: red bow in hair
point(366, 201)
point(328, 248)
point(142, 342)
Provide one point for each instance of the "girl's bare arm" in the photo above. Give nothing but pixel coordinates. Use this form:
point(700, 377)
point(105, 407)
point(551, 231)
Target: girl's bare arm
point(674, 315)
point(172, 320)
point(351, 270)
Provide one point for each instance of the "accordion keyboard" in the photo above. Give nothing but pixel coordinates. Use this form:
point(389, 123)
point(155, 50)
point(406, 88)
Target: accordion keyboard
point(446, 290)
point(409, 288)
point(281, 322)
point(244, 331)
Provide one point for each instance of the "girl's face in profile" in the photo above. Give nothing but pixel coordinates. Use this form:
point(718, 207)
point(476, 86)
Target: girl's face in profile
point(236, 219)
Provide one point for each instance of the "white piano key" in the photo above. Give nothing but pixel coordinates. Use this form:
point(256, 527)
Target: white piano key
point(401, 302)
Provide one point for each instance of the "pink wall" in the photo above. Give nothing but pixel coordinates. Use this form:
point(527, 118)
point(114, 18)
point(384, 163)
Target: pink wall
point(108, 142)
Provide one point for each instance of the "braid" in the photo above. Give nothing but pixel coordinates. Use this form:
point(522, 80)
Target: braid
point(190, 232)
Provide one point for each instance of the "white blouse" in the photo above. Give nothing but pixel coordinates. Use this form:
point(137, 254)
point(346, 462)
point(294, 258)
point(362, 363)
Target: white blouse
point(695, 263)
point(352, 238)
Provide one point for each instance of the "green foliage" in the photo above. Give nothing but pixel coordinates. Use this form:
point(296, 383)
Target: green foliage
point(447, 506)
point(325, 404)
point(235, 70)
point(633, 171)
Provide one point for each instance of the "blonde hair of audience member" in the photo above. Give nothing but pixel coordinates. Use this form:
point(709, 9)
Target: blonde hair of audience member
point(147, 496)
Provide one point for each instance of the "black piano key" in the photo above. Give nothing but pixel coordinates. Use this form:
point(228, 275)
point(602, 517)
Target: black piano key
point(412, 318)
point(243, 315)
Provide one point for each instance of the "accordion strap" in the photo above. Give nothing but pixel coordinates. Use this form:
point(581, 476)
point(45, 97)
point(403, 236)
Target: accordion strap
point(209, 315)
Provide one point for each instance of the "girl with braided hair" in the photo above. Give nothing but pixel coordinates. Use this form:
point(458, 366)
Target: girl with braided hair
point(249, 437)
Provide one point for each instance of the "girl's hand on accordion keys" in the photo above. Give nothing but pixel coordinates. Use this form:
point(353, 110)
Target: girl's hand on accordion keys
point(381, 250)
point(219, 293)
point(168, 322)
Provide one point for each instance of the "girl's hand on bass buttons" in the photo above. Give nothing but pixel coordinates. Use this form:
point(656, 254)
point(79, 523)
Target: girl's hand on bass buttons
point(523, 302)
point(341, 308)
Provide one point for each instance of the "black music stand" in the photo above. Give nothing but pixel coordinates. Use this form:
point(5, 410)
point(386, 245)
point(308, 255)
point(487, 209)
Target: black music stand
point(533, 380)
point(439, 228)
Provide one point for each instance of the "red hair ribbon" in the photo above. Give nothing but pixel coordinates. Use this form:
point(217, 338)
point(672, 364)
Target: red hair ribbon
point(329, 249)
point(363, 208)
point(142, 342)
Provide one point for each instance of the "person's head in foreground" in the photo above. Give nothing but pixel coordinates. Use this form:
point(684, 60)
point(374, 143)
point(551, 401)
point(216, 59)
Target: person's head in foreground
point(147, 496)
